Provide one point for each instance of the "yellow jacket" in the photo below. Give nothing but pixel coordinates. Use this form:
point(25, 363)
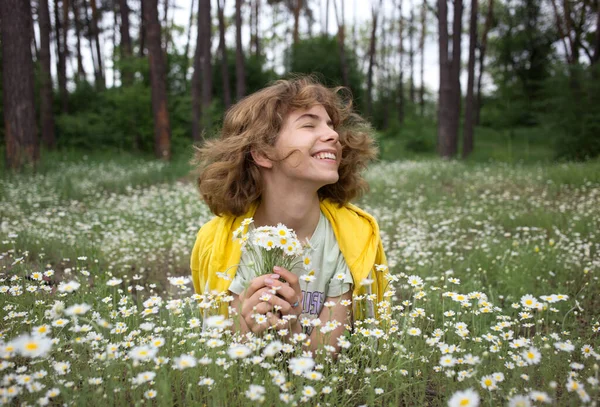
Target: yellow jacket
point(356, 232)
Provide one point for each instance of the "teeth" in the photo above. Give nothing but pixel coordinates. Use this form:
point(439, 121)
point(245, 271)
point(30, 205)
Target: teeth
point(322, 156)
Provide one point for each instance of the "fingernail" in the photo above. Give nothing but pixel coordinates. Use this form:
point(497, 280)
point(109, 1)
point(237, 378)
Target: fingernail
point(276, 269)
point(268, 281)
point(275, 276)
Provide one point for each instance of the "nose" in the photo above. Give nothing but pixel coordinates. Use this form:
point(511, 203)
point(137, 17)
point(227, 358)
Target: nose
point(329, 134)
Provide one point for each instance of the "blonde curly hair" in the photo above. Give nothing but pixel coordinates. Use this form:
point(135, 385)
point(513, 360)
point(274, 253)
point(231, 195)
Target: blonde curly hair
point(228, 178)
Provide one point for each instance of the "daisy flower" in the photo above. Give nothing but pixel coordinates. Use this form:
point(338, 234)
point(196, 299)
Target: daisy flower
point(31, 346)
point(532, 356)
point(466, 398)
point(184, 361)
point(238, 351)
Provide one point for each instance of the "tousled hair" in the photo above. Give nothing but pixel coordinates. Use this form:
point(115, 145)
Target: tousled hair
point(228, 178)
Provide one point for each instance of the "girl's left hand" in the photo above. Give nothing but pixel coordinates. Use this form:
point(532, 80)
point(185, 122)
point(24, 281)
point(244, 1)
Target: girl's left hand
point(289, 291)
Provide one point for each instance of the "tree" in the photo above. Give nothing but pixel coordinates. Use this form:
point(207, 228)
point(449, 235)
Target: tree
point(75, 7)
point(422, 53)
point(400, 88)
point(162, 129)
point(240, 71)
point(296, 9)
point(223, 54)
point(372, 47)
point(449, 93)
point(46, 94)
point(126, 47)
point(96, 34)
point(341, 37)
point(61, 64)
point(411, 54)
point(470, 107)
point(186, 50)
point(17, 75)
point(482, 50)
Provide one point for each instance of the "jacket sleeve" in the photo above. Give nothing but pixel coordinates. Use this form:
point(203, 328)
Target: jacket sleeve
point(200, 258)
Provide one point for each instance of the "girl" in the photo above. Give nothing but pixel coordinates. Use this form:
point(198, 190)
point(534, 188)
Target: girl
point(292, 153)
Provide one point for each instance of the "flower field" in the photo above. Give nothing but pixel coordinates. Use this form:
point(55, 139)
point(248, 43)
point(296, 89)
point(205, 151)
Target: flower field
point(494, 294)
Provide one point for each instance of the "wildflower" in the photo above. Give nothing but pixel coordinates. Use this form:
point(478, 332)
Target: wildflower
point(237, 351)
point(488, 382)
point(114, 282)
point(95, 380)
point(179, 281)
point(150, 394)
point(301, 364)
point(77, 309)
point(142, 353)
point(564, 346)
point(540, 396)
point(466, 398)
point(415, 281)
point(532, 356)
point(447, 361)
point(217, 321)
point(68, 287)
point(183, 362)
point(255, 392)
point(414, 331)
point(308, 391)
point(144, 377)
point(519, 401)
point(379, 390)
point(31, 346)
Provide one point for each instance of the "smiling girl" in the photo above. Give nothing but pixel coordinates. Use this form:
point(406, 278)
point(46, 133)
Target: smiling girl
point(292, 153)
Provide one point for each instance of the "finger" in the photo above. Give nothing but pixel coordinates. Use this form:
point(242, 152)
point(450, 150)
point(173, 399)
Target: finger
point(290, 277)
point(257, 283)
point(286, 292)
point(249, 303)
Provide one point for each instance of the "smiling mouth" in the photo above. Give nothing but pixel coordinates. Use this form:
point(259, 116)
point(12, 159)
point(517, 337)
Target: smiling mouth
point(325, 156)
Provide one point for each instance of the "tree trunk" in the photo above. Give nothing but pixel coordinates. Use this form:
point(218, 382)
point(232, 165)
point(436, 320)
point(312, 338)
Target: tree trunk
point(223, 52)
point(126, 47)
point(17, 89)
point(65, 33)
point(88, 23)
point(205, 28)
point(372, 48)
point(596, 57)
point(46, 102)
point(326, 23)
point(186, 50)
point(445, 91)
point(240, 69)
point(95, 32)
point(341, 23)
point(297, 8)
point(456, 64)
point(34, 47)
point(411, 54)
point(80, 69)
point(470, 108)
point(257, 27)
point(482, 49)
point(162, 130)
point(400, 90)
point(142, 34)
point(422, 53)
point(61, 66)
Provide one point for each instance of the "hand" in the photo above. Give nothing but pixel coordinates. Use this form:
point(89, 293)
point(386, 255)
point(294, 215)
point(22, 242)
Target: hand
point(289, 293)
point(253, 303)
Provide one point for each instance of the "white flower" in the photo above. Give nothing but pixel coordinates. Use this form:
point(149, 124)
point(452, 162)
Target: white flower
point(519, 401)
point(150, 394)
point(488, 382)
point(415, 281)
point(31, 346)
point(255, 392)
point(179, 281)
point(301, 364)
point(113, 282)
point(77, 309)
point(414, 331)
point(217, 321)
point(68, 287)
point(184, 361)
point(466, 398)
point(532, 356)
point(309, 391)
point(272, 349)
point(142, 353)
point(61, 368)
point(238, 351)
point(144, 377)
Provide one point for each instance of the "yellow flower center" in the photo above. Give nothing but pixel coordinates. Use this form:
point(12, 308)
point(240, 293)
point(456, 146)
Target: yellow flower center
point(31, 346)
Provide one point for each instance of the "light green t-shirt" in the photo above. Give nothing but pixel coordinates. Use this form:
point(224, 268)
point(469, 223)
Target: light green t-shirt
point(332, 275)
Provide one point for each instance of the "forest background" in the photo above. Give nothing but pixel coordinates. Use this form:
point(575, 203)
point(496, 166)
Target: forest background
point(521, 82)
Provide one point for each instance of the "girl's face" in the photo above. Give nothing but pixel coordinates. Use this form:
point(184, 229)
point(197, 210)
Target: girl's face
point(317, 150)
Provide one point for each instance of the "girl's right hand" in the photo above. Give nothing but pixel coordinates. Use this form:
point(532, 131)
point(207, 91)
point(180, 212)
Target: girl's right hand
point(258, 300)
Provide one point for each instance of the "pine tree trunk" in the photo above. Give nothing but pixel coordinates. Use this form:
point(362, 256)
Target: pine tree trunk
point(411, 54)
point(80, 69)
point(46, 94)
point(372, 48)
point(596, 57)
point(126, 47)
point(240, 69)
point(482, 49)
point(162, 130)
point(186, 50)
point(88, 24)
point(223, 52)
point(470, 108)
point(455, 73)
point(61, 66)
point(95, 33)
point(22, 147)
point(297, 8)
point(400, 90)
point(257, 30)
point(205, 25)
point(445, 91)
point(341, 37)
point(422, 52)
point(142, 34)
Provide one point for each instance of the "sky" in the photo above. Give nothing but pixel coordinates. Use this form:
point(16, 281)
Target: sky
point(357, 13)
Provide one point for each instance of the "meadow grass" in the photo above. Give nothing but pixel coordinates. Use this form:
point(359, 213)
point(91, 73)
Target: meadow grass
point(495, 289)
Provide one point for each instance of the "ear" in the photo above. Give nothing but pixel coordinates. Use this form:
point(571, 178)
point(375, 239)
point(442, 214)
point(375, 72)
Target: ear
point(260, 159)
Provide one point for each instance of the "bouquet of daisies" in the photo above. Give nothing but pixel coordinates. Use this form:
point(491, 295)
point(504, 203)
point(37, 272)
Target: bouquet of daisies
point(271, 246)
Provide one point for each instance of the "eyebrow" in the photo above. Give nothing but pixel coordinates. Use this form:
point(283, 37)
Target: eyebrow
point(313, 117)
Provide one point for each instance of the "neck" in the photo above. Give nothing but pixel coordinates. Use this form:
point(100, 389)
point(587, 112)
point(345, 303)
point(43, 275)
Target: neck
point(295, 209)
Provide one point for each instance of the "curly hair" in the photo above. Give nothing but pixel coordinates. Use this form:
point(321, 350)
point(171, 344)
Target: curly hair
point(228, 178)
